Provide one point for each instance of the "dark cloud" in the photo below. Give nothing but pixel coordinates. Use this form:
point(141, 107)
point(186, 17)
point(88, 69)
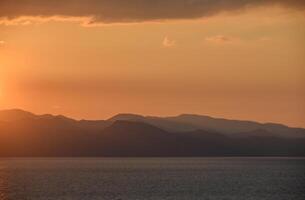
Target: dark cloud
point(112, 11)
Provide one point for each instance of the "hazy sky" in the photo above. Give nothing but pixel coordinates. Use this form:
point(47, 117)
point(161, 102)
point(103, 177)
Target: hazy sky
point(242, 59)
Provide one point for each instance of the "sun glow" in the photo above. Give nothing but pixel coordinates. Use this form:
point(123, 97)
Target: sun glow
point(231, 64)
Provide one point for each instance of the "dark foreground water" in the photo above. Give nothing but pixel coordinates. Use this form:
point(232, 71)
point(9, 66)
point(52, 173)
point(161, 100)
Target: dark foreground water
point(152, 178)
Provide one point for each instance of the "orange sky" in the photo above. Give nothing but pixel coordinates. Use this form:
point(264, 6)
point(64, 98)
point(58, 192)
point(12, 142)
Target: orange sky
point(233, 61)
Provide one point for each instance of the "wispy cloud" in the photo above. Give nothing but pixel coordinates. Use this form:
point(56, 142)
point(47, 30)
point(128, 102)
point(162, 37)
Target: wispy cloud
point(220, 39)
point(167, 42)
point(122, 11)
point(2, 42)
point(56, 107)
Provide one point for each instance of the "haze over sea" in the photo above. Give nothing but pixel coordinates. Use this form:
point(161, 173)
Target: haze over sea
point(261, 178)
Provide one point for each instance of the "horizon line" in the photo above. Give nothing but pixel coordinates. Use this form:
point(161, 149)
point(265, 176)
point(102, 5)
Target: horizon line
point(152, 116)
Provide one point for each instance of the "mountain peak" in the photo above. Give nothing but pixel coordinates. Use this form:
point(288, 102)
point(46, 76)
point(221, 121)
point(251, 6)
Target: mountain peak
point(185, 115)
point(55, 117)
point(126, 116)
point(15, 115)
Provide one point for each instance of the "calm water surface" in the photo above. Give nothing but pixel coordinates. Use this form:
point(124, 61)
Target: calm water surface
point(152, 179)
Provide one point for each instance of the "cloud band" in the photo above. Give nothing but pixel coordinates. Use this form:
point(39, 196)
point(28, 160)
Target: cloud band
point(126, 11)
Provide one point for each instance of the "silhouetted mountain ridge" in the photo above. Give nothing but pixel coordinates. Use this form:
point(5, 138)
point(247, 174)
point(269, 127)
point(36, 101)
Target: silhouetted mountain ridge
point(189, 122)
point(26, 134)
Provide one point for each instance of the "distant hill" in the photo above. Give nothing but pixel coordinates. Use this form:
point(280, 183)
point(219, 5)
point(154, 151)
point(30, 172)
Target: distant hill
point(15, 115)
point(26, 134)
point(187, 122)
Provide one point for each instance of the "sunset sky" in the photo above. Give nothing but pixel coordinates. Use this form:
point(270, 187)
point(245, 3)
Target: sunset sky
point(238, 59)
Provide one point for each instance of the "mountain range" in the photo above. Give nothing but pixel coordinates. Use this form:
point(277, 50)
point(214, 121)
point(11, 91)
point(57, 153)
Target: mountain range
point(25, 134)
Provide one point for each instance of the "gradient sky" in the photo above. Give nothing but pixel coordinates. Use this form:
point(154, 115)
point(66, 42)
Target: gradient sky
point(240, 59)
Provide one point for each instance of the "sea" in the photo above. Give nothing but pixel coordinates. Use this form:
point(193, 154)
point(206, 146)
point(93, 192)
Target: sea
point(239, 178)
